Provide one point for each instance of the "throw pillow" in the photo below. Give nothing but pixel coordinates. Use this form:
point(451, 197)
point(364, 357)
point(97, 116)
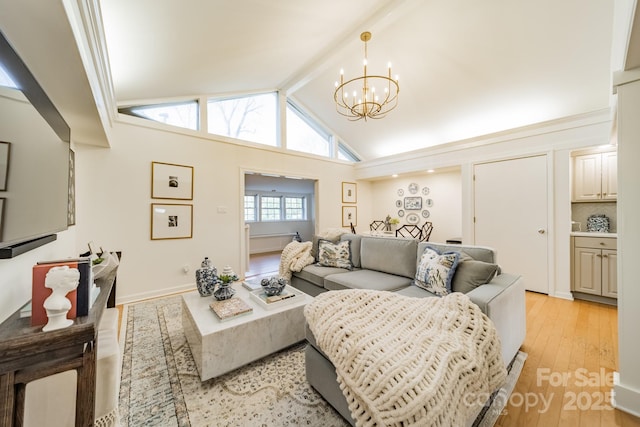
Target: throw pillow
point(472, 273)
point(335, 254)
point(435, 270)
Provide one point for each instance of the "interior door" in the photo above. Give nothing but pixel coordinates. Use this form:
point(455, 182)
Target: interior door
point(510, 213)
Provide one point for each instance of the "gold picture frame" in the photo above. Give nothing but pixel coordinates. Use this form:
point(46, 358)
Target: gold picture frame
point(349, 192)
point(171, 221)
point(171, 181)
point(349, 216)
point(5, 151)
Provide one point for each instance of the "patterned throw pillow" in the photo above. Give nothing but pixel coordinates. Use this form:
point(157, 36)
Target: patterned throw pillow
point(435, 270)
point(335, 254)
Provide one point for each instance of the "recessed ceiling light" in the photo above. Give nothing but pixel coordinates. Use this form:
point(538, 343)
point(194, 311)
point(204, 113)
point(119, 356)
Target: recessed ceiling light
point(430, 171)
point(395, 175)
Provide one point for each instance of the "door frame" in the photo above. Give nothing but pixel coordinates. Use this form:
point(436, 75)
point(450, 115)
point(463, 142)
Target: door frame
point(244, 248)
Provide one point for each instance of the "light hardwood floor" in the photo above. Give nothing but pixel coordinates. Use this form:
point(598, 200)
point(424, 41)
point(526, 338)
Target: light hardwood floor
point(572, 349)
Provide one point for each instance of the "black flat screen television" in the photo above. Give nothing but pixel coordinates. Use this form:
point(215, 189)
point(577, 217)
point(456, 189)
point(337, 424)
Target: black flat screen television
point(34, 159)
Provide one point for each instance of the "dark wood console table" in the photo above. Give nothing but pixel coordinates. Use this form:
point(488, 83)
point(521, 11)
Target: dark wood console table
point(28, 354)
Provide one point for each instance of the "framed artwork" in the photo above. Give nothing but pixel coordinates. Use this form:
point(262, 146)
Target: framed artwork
point(349, 216)
point(169, 181)
point(398, 203)
point(429, 202)
point(2, 199)
point(4, 164)
point(412, 203)
point(71, 199)
point(413, 188)
point(349, 190)
point(171, 221)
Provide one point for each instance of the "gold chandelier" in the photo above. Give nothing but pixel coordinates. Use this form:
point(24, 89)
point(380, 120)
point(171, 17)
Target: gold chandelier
point(358, 99)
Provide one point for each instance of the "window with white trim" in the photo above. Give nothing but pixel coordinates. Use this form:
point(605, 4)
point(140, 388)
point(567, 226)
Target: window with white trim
point(251, 118)
point(270, 208)
point(304, 134)
point(181, 114)
point(294, 208)
point(250, 208)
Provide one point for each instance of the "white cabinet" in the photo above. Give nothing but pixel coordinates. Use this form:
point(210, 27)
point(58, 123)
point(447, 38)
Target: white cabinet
point(595, 177)
point(594, 266)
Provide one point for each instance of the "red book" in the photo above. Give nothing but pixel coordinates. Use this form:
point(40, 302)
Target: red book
point(79, 297)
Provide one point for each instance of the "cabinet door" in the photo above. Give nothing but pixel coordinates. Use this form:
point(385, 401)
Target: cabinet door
point(610, 176)
point(587, 180)
point(587, 271)
point(609, 273)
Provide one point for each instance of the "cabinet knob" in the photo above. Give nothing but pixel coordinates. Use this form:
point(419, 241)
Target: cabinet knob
point(601, 243)
point(605, 256)
point(541, 230)
point(599, 256)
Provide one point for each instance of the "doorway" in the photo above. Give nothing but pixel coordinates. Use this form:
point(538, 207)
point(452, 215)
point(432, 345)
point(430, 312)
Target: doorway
point(510, 215)
point(275, 209)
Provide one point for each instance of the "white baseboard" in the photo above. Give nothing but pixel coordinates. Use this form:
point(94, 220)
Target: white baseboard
point(624, 398)
point(128, 299)
point(564, 295)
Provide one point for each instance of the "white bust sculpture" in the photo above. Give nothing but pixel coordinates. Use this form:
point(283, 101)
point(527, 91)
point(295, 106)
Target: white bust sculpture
point(61, 280)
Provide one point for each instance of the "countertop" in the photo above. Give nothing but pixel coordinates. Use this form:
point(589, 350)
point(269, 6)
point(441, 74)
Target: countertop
point(594, 234)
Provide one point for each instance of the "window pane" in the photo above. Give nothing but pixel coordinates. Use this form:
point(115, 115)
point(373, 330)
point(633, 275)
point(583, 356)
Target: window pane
point(302, 136)
point(249, 208)
point(5, 79)
point(184, 115)
point(269, 208)
point(294, 208)
point(252, 118)
point(345, 154)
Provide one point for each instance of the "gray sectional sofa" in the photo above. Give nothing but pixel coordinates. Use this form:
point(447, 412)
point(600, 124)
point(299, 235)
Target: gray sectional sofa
point(389, 264)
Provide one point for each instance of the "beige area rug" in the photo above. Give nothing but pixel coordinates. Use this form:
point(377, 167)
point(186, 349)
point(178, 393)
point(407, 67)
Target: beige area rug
point(160, 385)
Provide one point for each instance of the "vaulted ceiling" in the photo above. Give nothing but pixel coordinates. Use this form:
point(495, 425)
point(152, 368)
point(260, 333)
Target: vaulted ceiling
point(467, 68)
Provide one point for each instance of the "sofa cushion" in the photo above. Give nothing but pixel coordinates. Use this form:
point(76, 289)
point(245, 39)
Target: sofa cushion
point(389, 255)
point(355, 247)
point(366, 279)
point(414, 291)
point(471, 273)
point(435, 270)
point(315, 273)
point(479, 253)
point(335, 254)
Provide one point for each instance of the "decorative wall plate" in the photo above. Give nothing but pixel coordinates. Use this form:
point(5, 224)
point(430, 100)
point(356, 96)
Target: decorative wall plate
point(400, 192)
point(413, 188)
point(398, 203)
point(413, 218)
point(429, 202)
point(425, 214)
point(425, 191)
point(400, 213)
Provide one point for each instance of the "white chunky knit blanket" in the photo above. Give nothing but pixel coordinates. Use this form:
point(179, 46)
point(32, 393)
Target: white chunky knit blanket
point(408, 361)
point(295, 256)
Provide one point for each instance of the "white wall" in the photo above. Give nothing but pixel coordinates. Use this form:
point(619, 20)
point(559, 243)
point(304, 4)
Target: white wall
point(15, 273)
point(555, 139)
point(113, 210)
point(445, 191)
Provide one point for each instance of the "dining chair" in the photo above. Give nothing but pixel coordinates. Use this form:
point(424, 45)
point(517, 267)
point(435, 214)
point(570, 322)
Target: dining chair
point(376, 225)
point(427, 228)
point(410, 231)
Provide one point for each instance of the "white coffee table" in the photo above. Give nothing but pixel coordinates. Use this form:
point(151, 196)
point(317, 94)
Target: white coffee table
point(219, 347)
